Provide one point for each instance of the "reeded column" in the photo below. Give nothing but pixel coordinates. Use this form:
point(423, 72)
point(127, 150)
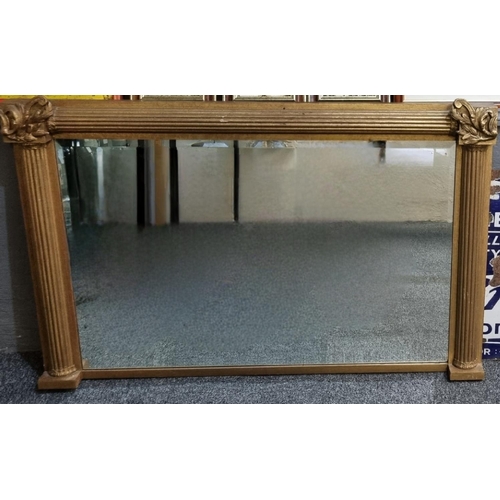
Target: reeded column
point(28, 127)
point(477, 131)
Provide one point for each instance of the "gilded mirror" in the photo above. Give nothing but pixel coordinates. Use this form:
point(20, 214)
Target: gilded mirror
point(202, 238)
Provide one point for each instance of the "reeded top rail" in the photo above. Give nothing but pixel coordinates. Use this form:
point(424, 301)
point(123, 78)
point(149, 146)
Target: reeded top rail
point(251, 120)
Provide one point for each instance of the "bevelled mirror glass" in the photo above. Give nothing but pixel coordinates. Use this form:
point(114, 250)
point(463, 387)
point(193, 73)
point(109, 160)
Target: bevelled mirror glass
point(259, 253)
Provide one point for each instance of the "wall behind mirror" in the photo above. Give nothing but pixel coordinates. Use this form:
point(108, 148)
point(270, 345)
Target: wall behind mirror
point(223, 253)
point(18, 320)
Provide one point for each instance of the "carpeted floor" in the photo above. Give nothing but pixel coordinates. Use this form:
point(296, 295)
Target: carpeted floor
point(19, 373)
point(262, 294)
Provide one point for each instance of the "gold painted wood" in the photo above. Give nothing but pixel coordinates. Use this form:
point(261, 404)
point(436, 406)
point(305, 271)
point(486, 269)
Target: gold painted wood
point(476, 125)
point(29, 123)
point(31, 126)
point(92, 374)
point(28, 127)
point(477, 130)
point(41, 199)
point(258, 120)
point(472, 254)
point(162, 168)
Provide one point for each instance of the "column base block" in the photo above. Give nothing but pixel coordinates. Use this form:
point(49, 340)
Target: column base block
point(68, 383)
point(472, 375)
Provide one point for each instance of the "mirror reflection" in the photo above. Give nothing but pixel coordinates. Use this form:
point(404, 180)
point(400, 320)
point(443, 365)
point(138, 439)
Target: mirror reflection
point(224, 253)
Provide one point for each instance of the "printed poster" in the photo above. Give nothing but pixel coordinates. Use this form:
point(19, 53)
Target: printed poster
point(491, 329)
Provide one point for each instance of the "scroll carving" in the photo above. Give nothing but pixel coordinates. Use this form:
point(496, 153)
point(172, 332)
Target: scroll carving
point(28, 124)
point(476, 125)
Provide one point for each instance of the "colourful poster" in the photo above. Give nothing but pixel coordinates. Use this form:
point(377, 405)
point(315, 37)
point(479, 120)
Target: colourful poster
point(94, 97)
point(491, 329)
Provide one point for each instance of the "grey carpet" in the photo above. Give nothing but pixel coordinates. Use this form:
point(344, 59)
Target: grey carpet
point(262, 294)
point(19, 373)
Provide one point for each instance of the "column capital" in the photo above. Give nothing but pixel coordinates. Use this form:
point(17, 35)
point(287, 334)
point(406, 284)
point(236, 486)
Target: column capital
point(29, 124)
point(475, 125)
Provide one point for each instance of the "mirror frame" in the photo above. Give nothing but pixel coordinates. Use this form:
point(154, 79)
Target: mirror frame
point(33, 126)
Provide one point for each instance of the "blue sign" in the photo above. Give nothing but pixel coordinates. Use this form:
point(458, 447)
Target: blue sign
point(491, 329)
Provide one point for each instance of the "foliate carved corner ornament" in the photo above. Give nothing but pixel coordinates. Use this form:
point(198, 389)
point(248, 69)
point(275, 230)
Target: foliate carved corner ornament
point(29, 124)
point(475, 125)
